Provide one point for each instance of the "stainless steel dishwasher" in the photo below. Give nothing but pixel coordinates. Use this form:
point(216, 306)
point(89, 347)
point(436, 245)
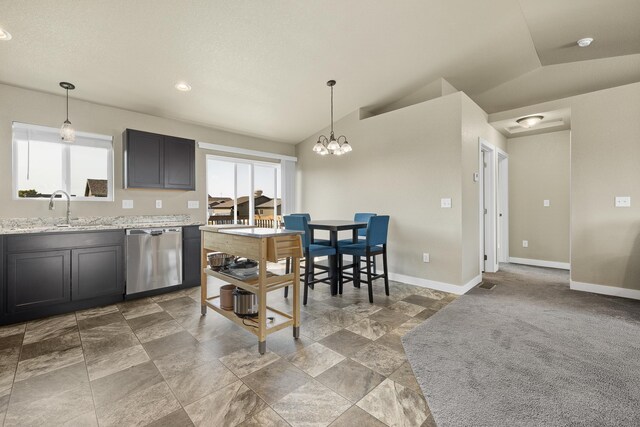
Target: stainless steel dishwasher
point(154, 258)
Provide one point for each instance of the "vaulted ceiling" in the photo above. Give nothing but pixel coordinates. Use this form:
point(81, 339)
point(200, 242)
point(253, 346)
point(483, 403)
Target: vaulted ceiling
point(260, 67)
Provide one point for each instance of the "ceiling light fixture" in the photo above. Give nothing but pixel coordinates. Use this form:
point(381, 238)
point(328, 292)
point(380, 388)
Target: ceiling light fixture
point(332, 145)
point(183, 86)
point(529, 121)
point(4, 35)
point(585, 42)
point(66, 131)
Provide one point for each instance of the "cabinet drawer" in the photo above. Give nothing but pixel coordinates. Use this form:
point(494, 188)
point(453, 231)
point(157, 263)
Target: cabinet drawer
point(38, 279)
point(47, 241)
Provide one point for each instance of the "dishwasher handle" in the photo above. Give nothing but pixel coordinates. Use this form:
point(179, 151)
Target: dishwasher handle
point(157, 233)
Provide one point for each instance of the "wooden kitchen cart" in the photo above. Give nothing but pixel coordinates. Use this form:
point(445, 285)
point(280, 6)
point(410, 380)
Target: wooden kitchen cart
point(262, 245)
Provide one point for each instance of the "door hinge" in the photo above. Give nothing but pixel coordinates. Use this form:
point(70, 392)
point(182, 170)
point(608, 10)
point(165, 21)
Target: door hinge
point(485, 257)
point(485, 211)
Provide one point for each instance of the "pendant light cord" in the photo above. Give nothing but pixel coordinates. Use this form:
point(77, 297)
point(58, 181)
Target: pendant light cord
point(67, 104)
point(331, 110)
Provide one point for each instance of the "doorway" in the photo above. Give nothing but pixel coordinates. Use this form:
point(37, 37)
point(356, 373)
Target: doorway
point(493, 223)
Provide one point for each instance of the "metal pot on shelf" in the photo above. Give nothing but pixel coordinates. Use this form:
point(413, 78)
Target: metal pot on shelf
point(245, 303)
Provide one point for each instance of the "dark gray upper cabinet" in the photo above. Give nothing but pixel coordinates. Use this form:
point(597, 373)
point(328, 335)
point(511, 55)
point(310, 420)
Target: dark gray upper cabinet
point(159, 161)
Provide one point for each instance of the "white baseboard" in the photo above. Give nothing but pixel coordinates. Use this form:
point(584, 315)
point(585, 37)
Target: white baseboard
point(540, 263)
point(605, 290)
point(438, 286)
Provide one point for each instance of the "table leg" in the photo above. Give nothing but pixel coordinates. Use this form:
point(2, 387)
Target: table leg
point(333, 264)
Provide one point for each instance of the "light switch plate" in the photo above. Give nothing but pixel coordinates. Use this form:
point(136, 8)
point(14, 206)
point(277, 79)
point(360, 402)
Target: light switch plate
point(127, 204)
point(193, 204)
point(445, 203)
point(547, 203)
point(525, 243)
point(623, 202)
point(425, 257)
point(158, 204)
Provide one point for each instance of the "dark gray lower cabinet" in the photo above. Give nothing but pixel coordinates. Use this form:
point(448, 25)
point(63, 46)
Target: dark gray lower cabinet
point(96, 272)
point(38, 279)
point(191, 255)
point(53, 273)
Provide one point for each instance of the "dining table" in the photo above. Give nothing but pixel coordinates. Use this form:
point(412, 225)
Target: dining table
point(333, 226)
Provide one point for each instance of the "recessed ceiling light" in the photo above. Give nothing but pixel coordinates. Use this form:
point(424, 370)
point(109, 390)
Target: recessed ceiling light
point(4, 35)
point(183, 86)
point(529, 121)
point(585, 42)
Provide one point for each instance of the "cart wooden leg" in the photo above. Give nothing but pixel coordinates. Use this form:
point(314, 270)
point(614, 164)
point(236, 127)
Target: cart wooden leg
point(262, 299)
point(203, 279)
point(296, 298)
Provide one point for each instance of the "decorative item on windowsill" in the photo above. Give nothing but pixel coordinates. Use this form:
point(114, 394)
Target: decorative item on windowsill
point(332, 145)
point(67, 133)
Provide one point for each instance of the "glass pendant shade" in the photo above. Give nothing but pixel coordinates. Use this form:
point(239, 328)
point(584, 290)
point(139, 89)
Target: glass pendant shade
point(346, 147)
point(318, 147)
point(333, 144)
point(67, 133)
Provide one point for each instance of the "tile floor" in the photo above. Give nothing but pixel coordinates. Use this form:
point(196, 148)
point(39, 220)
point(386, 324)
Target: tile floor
point(157, 361)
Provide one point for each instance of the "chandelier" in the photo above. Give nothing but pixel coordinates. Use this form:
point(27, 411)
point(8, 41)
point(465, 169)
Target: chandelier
point(332, 145)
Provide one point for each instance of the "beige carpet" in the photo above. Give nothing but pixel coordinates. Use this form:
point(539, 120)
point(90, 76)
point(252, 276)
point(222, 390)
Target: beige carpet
point(530, 352)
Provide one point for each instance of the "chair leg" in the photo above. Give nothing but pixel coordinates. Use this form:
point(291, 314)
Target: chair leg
point(375, 268)
point(386, 270)
point(306, 282)
point(340, 274)
point(369, 281)
point(312, 271)
point(356, 272)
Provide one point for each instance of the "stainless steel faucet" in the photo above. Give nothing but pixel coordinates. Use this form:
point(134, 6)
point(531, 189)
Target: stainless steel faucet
point(52, 207)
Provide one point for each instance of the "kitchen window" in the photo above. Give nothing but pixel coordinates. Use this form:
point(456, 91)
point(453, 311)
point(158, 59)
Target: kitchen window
point(42, 164)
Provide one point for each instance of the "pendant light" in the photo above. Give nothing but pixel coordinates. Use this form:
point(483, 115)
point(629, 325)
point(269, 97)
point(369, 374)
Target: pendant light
point(67, 133)
point(332, 145)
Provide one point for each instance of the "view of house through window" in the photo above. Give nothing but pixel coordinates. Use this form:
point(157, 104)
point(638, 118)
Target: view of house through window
point(44, 164)
point(243, 192)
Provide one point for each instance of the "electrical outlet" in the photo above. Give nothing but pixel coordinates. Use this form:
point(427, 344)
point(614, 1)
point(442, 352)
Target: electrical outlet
point(525, 243)
point(193, 204)
point(158, 204)
point(623, 202)
point(127, 204)
point(546, 203)
point(445, 203)
point(425, 257)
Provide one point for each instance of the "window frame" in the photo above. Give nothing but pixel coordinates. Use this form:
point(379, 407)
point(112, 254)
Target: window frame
point(66, 162)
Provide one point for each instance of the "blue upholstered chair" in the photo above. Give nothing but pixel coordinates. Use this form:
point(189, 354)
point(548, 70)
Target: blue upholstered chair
point(310, 251)
point(375, 243)
point(362, 234)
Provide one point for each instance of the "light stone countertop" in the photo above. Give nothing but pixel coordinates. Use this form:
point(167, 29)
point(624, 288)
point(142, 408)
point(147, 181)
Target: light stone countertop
point(48, 225)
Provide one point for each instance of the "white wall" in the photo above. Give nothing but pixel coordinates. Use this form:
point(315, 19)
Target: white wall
point(539, 169)
point(27, 106)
